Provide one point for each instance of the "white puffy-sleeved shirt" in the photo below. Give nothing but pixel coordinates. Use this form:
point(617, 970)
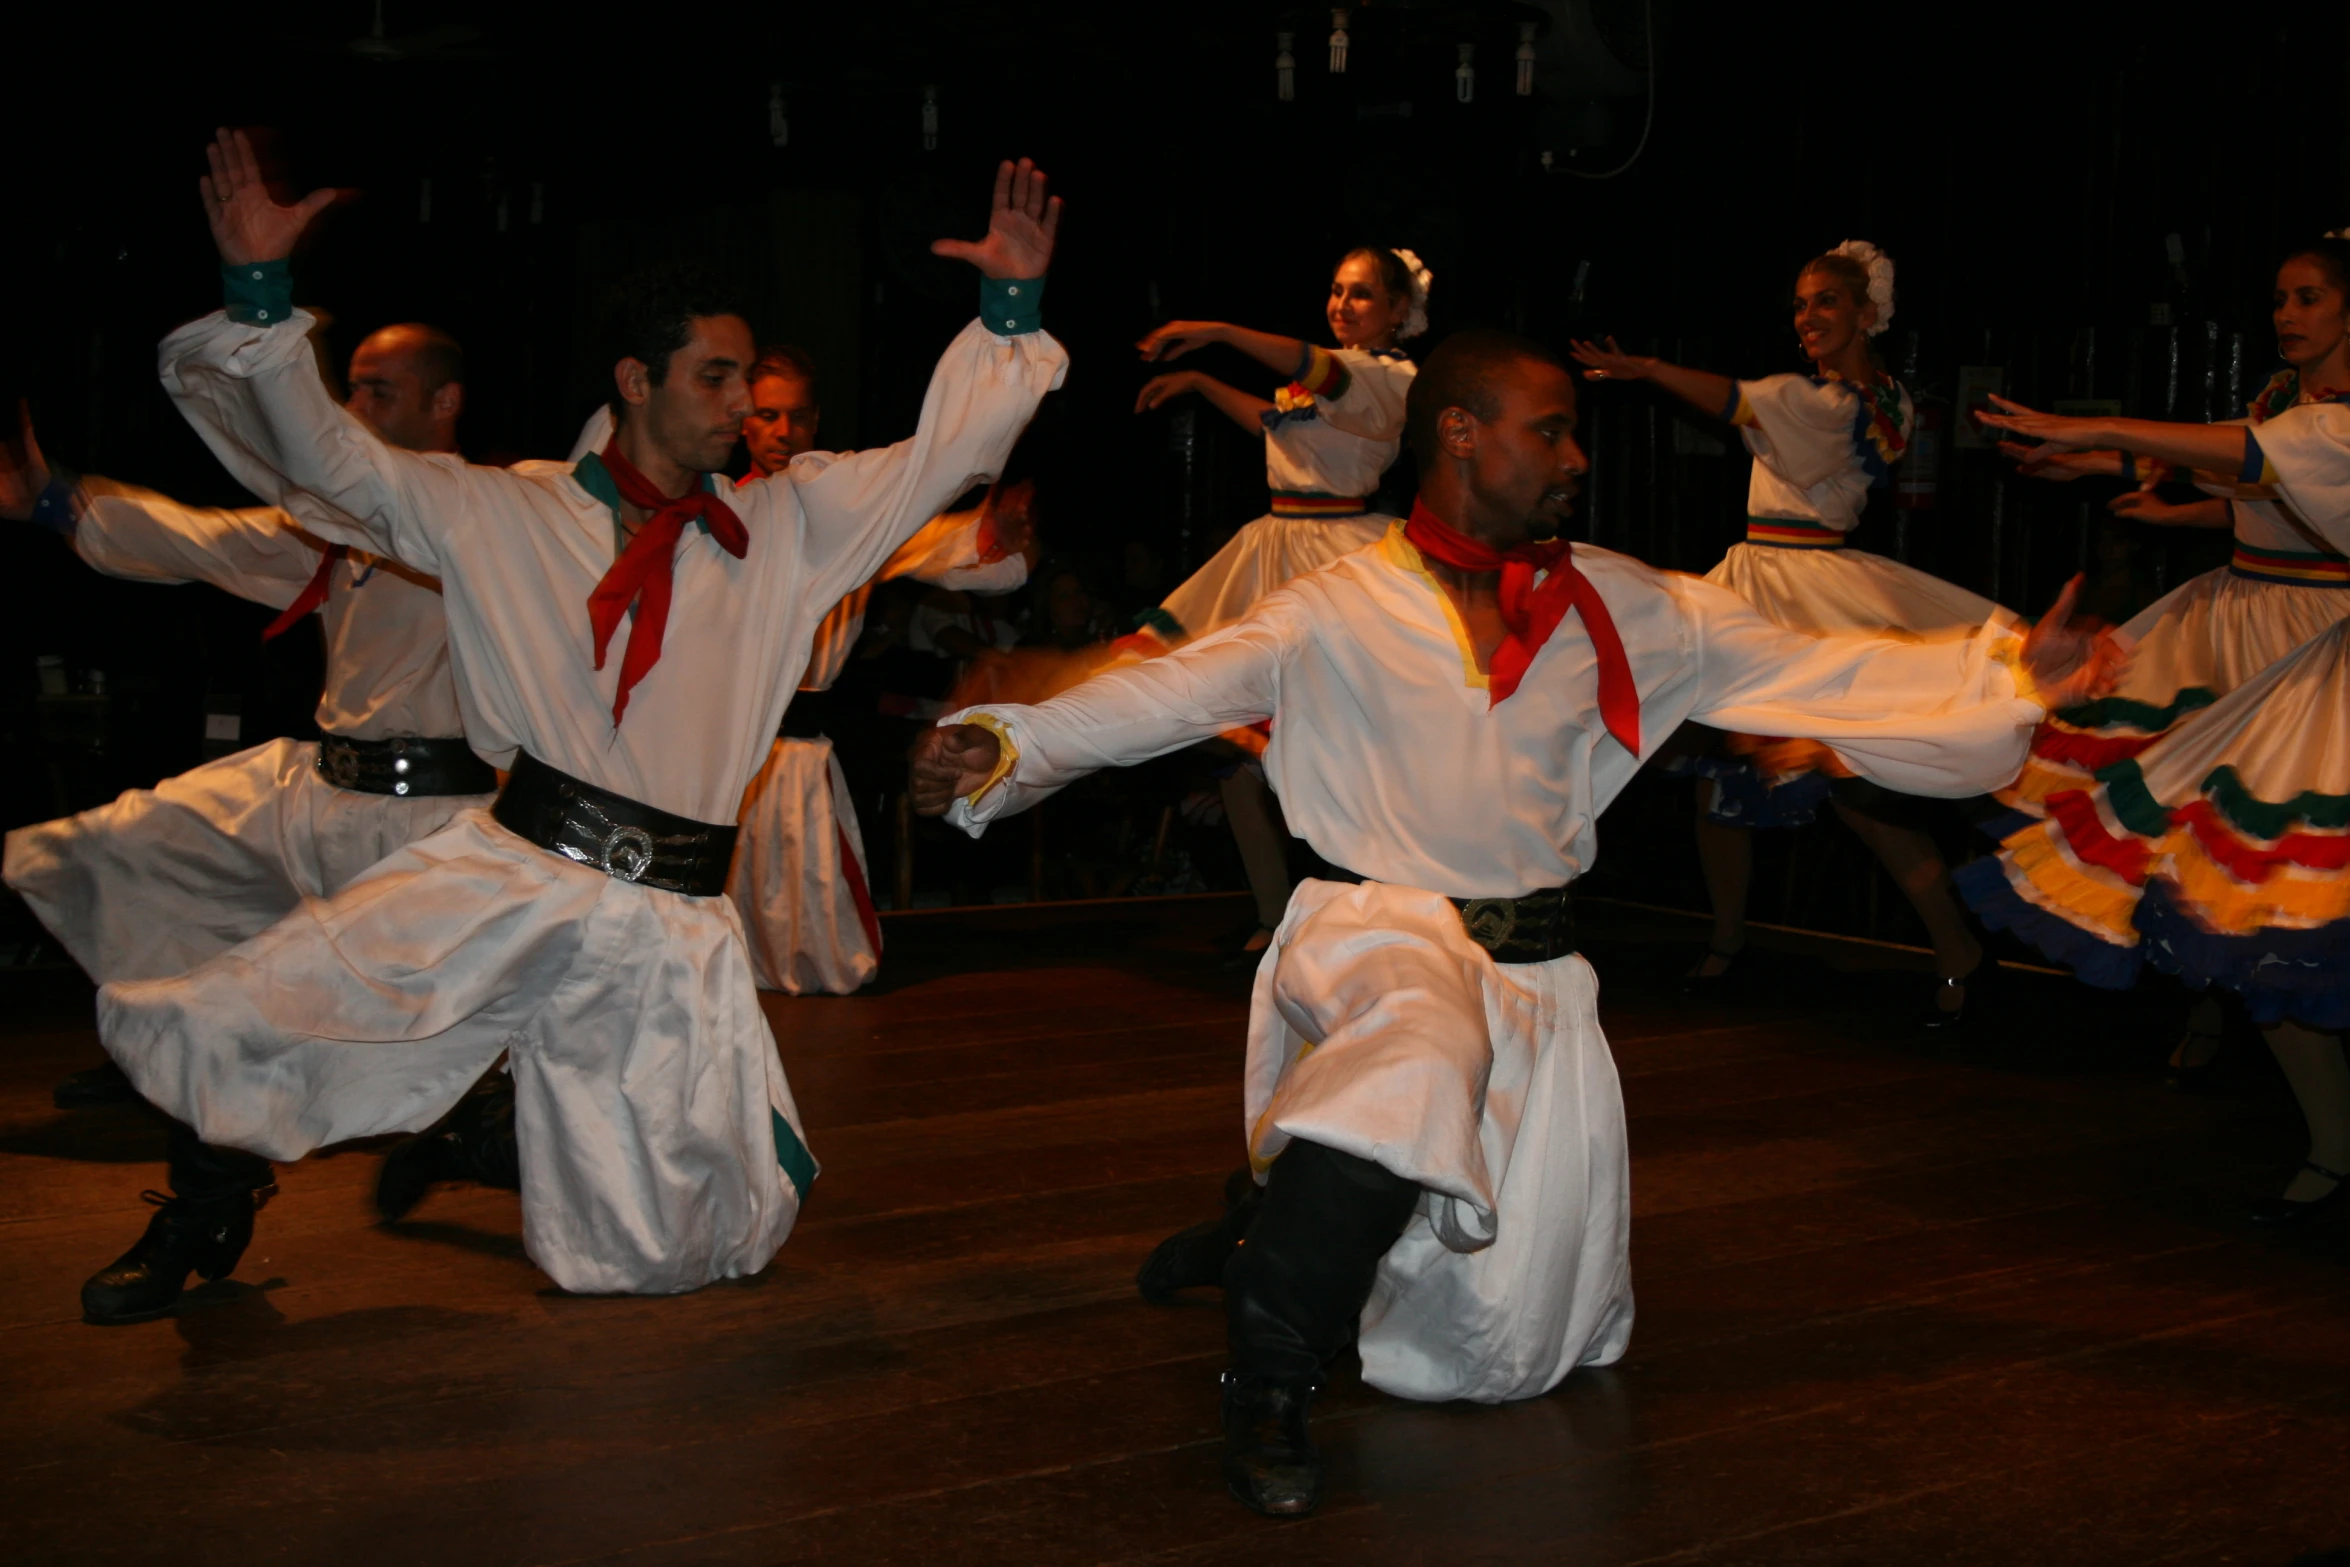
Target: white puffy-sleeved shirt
point(518, 550)
point(1819, 446)
point(1389, 760)
point(1339, 426)
point(387, 641)
point(2304, 453)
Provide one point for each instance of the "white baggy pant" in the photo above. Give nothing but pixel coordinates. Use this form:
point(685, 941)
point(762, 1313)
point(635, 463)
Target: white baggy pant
point(1378, 1028)
point(660, 1146)
point(161, 879)
point(798, 869)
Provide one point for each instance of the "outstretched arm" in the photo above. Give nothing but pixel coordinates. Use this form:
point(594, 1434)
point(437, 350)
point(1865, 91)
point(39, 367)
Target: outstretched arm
point(1234, 404)
point(1942, 718)
point(858, 509)
point(1700, 389)
point(1178, 338)
point(1125, 715)
point(2218, 447)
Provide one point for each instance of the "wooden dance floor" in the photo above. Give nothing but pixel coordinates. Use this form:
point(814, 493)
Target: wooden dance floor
point(1900, 1302)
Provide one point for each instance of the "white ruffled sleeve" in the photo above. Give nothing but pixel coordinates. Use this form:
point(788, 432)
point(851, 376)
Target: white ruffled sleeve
point(1799, 428)
point(1372, 403)
point(2305, 452)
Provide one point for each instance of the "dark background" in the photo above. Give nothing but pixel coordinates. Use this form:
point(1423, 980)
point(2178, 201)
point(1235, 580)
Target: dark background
point(2027, 169)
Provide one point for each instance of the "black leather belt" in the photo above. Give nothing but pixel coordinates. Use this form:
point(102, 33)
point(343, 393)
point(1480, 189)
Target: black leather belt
point(809, 717)
point(410, 767)
point(1533, 927)
point(612, 833)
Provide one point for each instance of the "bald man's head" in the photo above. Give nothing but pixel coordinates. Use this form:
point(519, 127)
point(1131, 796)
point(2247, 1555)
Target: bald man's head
point(408, 385)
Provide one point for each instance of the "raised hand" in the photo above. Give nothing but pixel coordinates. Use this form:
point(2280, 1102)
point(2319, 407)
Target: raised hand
point(1165, 389)
point(1178, 338)
point(1021, 226)
point(1610, 363)
point(949, 762)
point(2071, 660)
point(24, 473)
point(248, 224)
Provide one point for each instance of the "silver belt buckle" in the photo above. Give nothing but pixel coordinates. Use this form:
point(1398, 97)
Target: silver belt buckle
point(1491, 922)
point(625, 854)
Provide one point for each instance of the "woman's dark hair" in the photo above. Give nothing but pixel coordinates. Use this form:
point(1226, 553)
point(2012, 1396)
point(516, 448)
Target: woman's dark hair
point(651, 315)
point(2332, 255)
point(1394, 276)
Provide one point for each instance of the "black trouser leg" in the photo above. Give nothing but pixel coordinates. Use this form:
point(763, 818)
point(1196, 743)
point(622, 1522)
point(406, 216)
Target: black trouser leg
point(1297, 1284)
point(201, 1172)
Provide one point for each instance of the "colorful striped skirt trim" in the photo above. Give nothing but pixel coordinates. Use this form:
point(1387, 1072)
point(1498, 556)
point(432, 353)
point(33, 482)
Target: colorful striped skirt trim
point(1312, 503)
point(1792, 533)
point(2293, 568)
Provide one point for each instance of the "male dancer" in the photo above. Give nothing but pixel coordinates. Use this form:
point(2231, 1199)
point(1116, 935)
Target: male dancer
point(800, 874)
point(1430, 1101)
point(163, 879)
point(576, 926)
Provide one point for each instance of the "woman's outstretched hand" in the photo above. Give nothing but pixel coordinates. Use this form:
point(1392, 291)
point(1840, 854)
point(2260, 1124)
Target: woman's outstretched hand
point(949, 762)
point(248, 224)
point(1610, 363)
point(1022, 225)
point(2052, 430)
point(1178, 338)
point(2072, 659)
point(1165, 389)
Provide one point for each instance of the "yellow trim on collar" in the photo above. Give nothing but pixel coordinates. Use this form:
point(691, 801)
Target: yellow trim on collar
point(1407, 556)
point(1007, 755)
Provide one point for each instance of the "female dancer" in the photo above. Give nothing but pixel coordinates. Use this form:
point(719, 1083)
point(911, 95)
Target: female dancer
point(1821, 442)
point(2216, 631)
point(2221, 852)
point(1329, 435)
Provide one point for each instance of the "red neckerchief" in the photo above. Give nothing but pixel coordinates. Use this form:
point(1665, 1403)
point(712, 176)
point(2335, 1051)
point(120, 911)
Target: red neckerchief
point(1533, 609)
point(312, 595)
point(643, 573)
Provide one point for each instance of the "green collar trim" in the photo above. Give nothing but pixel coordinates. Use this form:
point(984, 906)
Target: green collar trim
point(597, 480)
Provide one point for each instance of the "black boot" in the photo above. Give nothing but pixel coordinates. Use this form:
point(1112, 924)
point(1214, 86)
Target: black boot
point(473, 1142)
point(1270, 1461)
point(202, 1227)
point(1292, 1293)
point(1195, 1258)
point(100, 1085)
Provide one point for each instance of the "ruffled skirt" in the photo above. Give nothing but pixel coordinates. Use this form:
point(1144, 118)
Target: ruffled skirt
point(1263, 556)
point(2219, 853)
point(2193, 646)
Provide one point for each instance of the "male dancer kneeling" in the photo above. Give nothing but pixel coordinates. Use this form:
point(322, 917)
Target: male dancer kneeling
point(577, 926)
point(1429, 1100)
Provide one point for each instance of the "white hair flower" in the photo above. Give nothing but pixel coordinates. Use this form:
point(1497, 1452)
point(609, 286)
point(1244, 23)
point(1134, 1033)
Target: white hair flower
point(1880, 270)
point(1415, 319)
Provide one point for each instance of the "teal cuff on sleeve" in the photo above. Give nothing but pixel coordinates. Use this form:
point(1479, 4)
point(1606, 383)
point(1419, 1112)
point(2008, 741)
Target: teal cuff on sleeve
point(257, 293)
point(1009, 306)
point(2255, 460)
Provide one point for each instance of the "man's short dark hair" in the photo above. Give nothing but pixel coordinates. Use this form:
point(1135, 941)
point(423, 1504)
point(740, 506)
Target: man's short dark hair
point(651, 315)
point(439, 358)
point(784, 359)
point(1464, 371)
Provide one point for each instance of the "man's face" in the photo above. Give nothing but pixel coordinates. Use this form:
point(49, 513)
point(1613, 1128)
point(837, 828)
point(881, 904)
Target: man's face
point(782, 421)
point(1525, 468)
point(696, 414)
point(389, 397)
